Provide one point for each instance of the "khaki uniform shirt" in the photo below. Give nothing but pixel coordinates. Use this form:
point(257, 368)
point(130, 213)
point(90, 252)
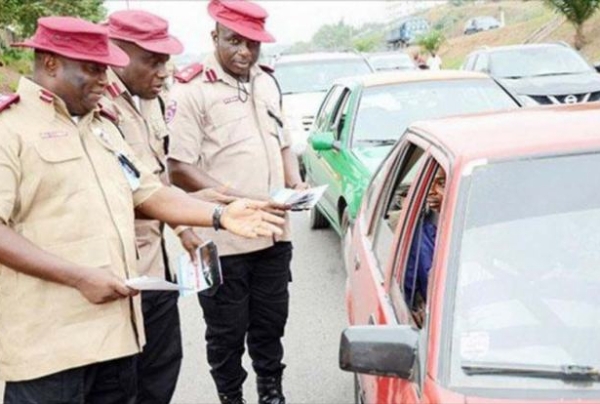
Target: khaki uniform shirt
point(145, 131)
point(62, 188)
point(237, 143)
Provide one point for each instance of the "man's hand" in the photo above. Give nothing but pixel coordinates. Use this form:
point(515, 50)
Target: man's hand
point(190, 242)
point(101, 286)
point(216, 195)
point(300, 186)
point(248, 218)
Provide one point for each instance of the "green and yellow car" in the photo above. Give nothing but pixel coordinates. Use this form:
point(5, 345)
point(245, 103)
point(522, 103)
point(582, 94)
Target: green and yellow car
point(362, 117)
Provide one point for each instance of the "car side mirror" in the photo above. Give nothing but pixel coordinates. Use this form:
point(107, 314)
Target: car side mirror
point(323, 141)
point(379, 350)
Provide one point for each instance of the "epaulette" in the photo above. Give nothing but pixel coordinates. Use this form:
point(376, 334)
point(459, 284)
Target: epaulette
point(189, 72)
point(6, 100)
point(267, 69)
point(108, 114)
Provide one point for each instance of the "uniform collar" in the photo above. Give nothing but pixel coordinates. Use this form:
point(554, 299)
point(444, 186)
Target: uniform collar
point(44, 101)
point(214, 72)
point(115, 87)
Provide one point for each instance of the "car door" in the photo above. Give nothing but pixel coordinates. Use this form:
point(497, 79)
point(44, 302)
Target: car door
point(373, 255)
point(327, 166)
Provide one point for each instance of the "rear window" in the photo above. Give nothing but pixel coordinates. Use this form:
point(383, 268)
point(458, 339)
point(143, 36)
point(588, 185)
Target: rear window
point(316, 75)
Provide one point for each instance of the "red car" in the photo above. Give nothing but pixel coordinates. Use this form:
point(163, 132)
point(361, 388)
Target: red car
point(474, 271)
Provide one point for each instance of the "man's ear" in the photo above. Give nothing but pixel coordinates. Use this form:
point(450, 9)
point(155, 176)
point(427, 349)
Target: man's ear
point(214, 35)
point(50, 63)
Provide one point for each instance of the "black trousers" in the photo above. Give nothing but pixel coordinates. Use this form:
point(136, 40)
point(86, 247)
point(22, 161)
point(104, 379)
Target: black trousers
point(110, 382)
point(160, 361)
point(252, 303)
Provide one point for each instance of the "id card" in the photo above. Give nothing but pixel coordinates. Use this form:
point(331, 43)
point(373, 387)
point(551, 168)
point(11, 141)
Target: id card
point(131, 173)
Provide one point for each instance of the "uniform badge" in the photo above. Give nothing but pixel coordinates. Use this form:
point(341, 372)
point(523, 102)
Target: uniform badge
point(229, 100)
point(170, 111)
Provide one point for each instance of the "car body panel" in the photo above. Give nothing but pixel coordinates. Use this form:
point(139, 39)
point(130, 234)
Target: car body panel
point(347, 170)
point(521, 134)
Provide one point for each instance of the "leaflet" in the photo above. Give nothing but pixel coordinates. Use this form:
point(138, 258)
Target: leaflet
point(205, 276)
point(299, 200)
point(152, 283)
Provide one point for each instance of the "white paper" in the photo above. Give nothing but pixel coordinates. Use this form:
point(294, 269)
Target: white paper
point(299, 200)
point(149, 283)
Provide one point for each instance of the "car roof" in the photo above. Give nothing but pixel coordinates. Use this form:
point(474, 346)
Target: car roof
point(519, 132)
point(521, 46)
point(408, 76)
point(317, 56)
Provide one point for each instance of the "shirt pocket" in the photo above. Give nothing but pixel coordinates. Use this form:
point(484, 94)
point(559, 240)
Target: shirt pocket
point(59, 161)
point(231, 124)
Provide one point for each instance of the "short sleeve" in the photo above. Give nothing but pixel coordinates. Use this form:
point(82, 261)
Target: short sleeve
point(184, 120)
point(10, 172)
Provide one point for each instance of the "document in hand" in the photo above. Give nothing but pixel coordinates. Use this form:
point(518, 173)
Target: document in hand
point(205, 276)
point(299, 200)
point(152, 283)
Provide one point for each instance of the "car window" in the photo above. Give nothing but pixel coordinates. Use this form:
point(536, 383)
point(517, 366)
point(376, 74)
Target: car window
point(329, 104)
point(470, 63)
point(415, 269)
point(391, 203)
point(481, 65)
point(317, 75)
point(525, 273)
point(533, 61)
point(338, 123)
point(384, 112)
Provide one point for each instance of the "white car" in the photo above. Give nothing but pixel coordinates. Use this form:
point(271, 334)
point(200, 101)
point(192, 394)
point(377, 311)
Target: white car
point(305, 79)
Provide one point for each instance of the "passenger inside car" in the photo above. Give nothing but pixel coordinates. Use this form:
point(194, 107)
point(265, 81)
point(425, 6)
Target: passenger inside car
point(422, 248)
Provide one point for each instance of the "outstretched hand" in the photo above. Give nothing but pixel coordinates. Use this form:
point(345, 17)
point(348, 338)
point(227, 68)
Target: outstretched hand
point(249, 218)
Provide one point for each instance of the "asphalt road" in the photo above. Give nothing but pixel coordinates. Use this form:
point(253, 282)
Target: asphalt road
point(317, 316)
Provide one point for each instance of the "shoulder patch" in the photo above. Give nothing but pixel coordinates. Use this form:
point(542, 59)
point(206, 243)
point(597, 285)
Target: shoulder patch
point(267, 69)
point(189, 72)
point(6, 100)
point(108, 114)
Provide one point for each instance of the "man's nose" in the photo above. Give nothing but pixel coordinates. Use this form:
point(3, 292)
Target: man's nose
point(161, 73)
point(244, 48)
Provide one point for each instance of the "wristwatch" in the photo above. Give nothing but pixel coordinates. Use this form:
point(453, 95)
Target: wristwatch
point(216, 217)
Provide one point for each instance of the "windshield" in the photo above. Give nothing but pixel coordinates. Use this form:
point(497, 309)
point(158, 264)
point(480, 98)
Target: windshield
point(385, 112)
point(527, 62)
point(528, 291)
point(316, 75)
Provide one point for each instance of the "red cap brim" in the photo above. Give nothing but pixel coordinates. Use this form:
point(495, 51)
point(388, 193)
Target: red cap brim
point(166, 46)
point(116, 56)
point(240, 28)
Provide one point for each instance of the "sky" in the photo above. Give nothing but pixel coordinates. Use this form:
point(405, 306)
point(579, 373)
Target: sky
point(289, 21)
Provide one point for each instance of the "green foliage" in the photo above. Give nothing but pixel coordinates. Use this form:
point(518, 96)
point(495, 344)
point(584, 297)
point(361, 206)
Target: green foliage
point(333, 37)
point(577, 12)
point(22, 15)
point(19, 60)
point(369, 43)
point(431, 41)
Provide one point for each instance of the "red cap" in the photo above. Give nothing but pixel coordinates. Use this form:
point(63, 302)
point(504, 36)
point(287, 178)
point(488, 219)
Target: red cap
point(144, 29)
point(76, 39)
point(243, 17)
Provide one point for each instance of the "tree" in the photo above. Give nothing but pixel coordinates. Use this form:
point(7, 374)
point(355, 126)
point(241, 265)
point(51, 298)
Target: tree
point(22, 15)
point(334, 37)
point(431, 41)
point(577, 12)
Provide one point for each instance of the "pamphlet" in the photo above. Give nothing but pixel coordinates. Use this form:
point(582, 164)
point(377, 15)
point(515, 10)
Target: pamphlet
point(204, 276)
point(299, 200)
point(152, 283)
